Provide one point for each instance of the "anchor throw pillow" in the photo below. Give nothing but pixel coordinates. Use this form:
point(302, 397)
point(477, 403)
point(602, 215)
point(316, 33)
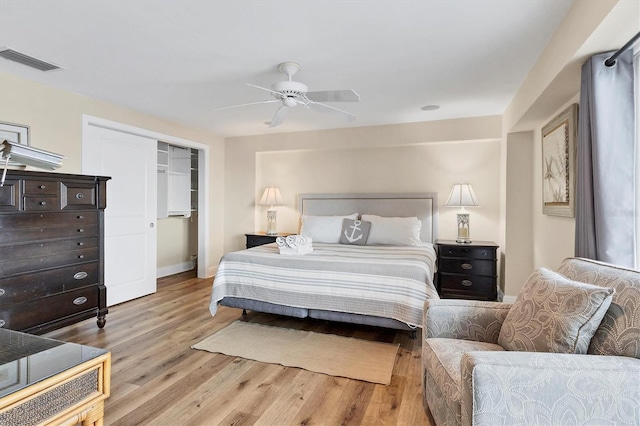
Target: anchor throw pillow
point(354, 232)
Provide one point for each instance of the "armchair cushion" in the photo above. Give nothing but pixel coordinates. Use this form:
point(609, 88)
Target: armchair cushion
point(441, 362)
point(554, 314)
point(516, 388)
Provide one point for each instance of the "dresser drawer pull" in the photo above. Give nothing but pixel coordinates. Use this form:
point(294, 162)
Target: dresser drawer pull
point(2, 323)
point(43, 203)
point(2, 291)
point(80, 275)
point(467, 283)
point(80, 217)
point(80, 230)
point(81, 256)
point(80, 300)
point(42, 187)
point(80, 243)
point(467, 266)
point(79, 195)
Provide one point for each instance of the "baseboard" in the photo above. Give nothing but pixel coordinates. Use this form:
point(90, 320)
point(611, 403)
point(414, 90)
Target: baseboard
point(509, 299)
point(174, 269)
point(212, 271)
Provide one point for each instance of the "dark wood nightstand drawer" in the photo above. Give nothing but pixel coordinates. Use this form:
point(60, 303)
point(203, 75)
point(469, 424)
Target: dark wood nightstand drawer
point(254, 240)
point(467, 266)
point(468, 252)
point(467, 283)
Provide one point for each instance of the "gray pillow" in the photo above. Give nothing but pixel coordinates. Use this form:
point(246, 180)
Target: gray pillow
point(354, 232)
point(554, 314)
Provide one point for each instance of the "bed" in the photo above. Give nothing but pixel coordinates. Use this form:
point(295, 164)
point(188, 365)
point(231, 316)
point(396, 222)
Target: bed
point(379, 285)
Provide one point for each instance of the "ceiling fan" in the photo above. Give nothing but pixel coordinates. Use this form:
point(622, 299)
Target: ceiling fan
point(292, 93)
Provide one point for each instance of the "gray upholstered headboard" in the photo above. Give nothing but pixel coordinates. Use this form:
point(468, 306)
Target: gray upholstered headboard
point(422, 205)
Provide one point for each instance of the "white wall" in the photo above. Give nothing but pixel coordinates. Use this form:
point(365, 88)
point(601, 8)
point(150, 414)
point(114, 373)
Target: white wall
point(55, 120)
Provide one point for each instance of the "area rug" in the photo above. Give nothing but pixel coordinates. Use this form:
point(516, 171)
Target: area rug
point(321, 353)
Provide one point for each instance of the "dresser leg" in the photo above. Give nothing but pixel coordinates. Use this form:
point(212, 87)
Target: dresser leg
point(101, 321)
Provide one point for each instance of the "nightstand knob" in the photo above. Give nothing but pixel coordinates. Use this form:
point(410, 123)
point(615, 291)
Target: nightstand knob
point(467, 283)
point(467, 266)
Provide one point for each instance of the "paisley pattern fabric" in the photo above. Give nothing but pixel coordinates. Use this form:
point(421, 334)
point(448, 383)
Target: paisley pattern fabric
point(519, 388)
point(619, 332)
point(464, 319)
point(534, 388)
point(441, 363)
point(554, 314)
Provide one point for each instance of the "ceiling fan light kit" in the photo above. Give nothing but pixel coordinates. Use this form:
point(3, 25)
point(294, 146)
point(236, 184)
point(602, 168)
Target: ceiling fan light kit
point(292, 93)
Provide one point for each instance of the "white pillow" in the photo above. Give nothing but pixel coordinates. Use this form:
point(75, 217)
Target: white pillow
point(398, 231)
point(324, 229)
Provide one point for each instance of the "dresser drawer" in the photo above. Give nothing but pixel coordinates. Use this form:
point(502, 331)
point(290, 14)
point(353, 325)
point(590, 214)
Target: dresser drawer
point(25, 287)
point(53, 260)
point(467, 266)
point(41, 204)
point(467, 252)
point(49, 220)
point(77, 195)
point(21, 316)
point(37, 234)
point(467, 283)
point(41, 187)
point(10, 196)
point(45, 247)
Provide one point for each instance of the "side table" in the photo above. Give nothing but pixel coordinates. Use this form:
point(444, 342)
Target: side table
point(467, 271)
point(260, 238)
point(46, 381)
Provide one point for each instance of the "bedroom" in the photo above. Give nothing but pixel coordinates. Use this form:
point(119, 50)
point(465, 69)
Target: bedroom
point(500, 154)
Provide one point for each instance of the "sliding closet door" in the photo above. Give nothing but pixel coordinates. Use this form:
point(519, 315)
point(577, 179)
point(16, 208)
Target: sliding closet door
point(130, 216)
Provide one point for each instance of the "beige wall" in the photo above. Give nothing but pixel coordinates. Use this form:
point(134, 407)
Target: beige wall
point(55, 120)
point(591, 26)
point(428, 156)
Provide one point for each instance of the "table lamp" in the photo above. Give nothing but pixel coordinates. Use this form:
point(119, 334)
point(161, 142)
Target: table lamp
point(462, 195)
point(271, 197)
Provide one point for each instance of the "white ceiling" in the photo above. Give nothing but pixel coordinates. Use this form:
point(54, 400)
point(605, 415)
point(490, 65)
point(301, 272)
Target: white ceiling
point(180, 59)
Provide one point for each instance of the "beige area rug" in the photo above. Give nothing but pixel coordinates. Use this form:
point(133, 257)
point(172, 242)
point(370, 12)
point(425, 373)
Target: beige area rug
point(321, 353)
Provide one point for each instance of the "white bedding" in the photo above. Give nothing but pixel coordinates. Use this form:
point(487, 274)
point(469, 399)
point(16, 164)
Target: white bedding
point(383, 281)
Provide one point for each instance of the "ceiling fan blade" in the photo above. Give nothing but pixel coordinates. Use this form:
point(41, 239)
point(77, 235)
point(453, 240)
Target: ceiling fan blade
point(334, 96)
point(278, 94)
point(279, 116)
point(250, 103)
point(331, 110)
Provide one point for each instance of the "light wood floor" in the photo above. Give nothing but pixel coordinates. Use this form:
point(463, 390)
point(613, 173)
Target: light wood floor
point(158, 379)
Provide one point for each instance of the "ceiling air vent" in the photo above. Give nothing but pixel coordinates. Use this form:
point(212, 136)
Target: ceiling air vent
point(27, 60)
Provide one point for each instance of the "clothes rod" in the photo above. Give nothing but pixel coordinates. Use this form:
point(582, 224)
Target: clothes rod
point(612, 60)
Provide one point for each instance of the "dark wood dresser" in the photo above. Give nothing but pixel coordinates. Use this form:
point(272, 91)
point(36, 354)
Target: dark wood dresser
point(467, 271)
point(51, 250)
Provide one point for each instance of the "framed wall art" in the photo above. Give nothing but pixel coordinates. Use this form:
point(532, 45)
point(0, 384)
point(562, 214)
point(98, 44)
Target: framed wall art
point(559, 163)
point(15, 133)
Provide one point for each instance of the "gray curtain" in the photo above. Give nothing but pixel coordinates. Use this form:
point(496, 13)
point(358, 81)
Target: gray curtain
point(605, 175)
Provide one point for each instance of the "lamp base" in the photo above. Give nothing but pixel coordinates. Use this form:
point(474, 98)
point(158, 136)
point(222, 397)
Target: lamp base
point(463, 241)
point(271, 222)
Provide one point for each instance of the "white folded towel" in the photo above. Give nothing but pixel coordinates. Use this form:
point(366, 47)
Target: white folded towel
point(294, 245)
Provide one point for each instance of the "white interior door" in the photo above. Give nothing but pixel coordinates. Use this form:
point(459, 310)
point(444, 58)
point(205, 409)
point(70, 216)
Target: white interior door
point(130, 216)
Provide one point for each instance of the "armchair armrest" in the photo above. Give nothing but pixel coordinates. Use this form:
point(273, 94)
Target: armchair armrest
point(464, 319)
point(549, 388)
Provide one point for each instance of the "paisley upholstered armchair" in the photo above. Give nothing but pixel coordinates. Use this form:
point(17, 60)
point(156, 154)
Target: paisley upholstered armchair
point(566, 352)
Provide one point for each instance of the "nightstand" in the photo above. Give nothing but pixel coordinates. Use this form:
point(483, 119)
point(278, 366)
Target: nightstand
point(260, 238)
point(467, 271)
